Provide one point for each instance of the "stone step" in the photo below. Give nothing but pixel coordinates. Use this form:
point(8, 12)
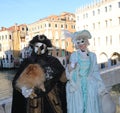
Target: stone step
point(5, 105)
point(2, 109)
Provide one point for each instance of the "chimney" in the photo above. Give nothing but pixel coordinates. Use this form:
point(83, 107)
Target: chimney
point(16, 26)
point(3, 28)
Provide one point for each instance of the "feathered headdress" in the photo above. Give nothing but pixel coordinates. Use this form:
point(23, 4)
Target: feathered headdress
point(42, 39)
point(79, 36)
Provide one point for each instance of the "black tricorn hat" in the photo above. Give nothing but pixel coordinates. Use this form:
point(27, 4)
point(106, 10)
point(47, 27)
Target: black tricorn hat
point(42, 39)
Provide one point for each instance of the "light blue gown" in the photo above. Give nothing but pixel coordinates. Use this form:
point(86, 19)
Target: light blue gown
point(83, 85)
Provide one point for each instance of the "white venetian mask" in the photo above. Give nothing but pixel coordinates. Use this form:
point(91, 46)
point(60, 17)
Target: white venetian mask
point(40, 48)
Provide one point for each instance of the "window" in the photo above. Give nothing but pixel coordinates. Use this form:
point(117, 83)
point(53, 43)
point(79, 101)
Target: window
point(78, 18)
point(86, 15)
point(113, 62)
point(83, 27)
point(56, 35)
point(106, 23)
point(55, 25)
point(32, 29)
point(72, 26)
point(11, 58)
point(110, 22)
point(0, 47)
point(105, 9)
point(98, 24)
point(93, 13)
point(2, 37)
point(9, 36)
point(63, 53)
point(26, 28)
point(67, 43)
point(99, 41)
point(119, 20)
point(119, 38)
point(65, 26)
point(106, 40)
point(83, 16)
point(49, 25)
point(63, 62)
point(86, 26)
point(110, 40)
point(61, 26)
point(57, 44)
point(6, 37)
point(45, 25)
point(7, 58)
point(63, 44)
point(94, 41)
point(102, 65)
point(23, 29)
point(118, 4)
point(93, 25)
point(57, 53)
point(110, 7)
point(98, 11)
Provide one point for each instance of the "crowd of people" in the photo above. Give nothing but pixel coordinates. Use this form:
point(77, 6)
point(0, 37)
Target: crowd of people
point(74, 89)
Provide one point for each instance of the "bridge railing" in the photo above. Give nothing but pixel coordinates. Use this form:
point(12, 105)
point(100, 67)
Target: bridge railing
point(109, 75)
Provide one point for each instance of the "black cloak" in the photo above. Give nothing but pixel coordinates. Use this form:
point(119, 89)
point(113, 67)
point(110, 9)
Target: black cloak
point(47, 101)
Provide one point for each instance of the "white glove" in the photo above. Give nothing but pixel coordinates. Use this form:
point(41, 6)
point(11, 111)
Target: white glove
point(26, 92)
point(67, 73)
point(73, 65)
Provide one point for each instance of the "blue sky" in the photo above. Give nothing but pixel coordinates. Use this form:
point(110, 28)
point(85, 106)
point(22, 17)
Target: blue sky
point(29, 11)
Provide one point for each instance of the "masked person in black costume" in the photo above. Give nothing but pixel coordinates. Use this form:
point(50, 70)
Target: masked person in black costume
point(53, 100)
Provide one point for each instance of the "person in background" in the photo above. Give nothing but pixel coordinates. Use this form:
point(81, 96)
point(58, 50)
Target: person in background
point(84, 82)
point(53, 100)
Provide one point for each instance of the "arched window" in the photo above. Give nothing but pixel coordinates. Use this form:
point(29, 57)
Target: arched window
point(103, 60)
point(0, 47)
point(63, 62)
point(115, 58)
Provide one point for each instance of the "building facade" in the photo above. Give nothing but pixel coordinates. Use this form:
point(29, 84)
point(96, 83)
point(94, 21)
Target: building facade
point(102, 19)
point(6, 47)
point(52, 26)
point(12, 41)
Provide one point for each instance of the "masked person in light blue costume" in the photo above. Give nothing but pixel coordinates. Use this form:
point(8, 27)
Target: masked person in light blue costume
point(84, 82)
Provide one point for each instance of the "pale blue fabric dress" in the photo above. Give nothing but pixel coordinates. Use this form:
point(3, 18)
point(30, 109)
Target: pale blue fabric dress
point(83, 85)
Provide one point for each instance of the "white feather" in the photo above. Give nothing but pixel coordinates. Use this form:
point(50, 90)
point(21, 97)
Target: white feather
point(67, 34)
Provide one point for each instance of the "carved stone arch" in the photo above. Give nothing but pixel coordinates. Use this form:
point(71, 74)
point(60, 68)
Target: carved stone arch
point(0, 47)
point(115, 58)
point(103, 59)
point(115, 55)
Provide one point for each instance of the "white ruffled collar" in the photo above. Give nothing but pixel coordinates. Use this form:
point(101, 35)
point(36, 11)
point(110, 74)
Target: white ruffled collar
point(84, 55)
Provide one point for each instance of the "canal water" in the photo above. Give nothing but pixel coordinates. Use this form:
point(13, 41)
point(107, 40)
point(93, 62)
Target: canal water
point(6, 77)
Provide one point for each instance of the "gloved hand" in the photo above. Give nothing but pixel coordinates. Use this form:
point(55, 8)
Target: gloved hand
point(70, 67)
point(26, 92)
point(73, 65)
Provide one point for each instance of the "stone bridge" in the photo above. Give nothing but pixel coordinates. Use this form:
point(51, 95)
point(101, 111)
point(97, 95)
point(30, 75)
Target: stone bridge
point(111, 76)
